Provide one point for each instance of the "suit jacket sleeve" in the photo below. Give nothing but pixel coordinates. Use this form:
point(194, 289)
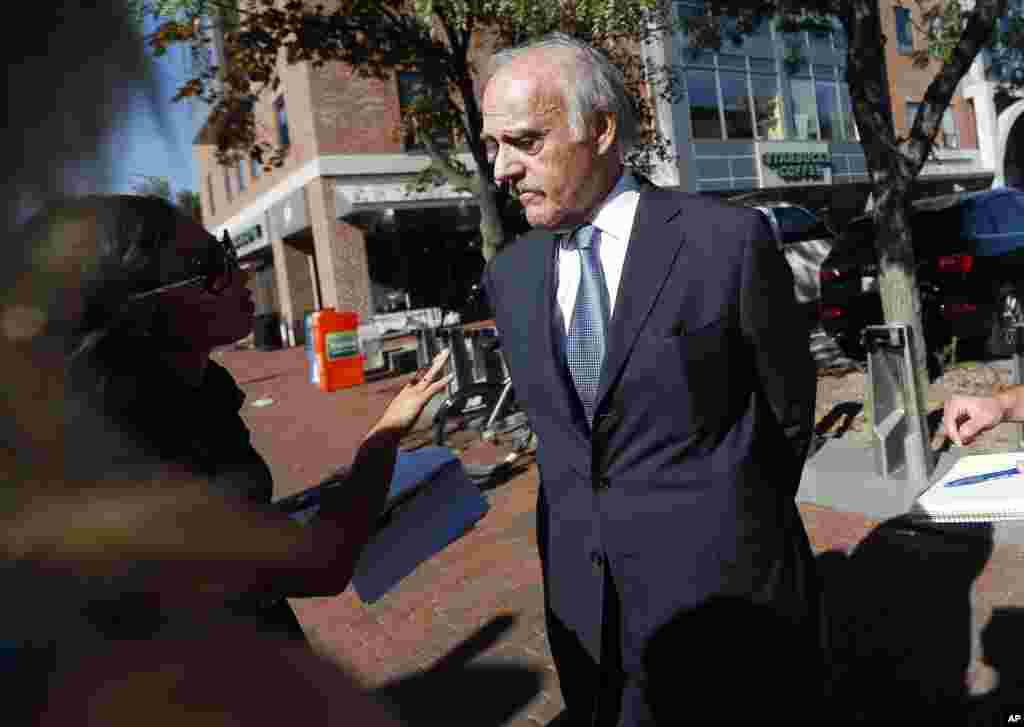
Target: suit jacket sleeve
point(779, 335)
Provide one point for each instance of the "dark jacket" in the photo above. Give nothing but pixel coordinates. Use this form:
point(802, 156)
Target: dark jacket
point(686, 485)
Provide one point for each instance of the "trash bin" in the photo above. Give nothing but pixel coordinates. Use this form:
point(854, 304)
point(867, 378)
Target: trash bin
point(900, 437)
point(333, 349)
point(267, 332)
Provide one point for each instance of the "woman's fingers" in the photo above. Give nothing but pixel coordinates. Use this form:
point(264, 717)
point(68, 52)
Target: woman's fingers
point(428, 374)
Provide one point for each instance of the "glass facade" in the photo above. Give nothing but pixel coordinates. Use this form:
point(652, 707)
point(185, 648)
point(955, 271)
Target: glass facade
point(702, 95)
point(759, 96)
point(739, 119)
point(774, 87)
point(804, 120)
point(767, 107)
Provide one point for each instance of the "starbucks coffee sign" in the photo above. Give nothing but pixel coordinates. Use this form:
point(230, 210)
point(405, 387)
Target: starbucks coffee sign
point(793, 163)
point(798, 165)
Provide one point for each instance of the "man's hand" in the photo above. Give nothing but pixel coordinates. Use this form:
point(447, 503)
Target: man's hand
point(965, 417)
point(404, 409)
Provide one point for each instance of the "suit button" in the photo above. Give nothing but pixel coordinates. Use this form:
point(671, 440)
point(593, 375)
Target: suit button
point(597, 560)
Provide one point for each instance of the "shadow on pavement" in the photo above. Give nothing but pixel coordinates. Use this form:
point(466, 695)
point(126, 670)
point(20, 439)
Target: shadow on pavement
point(901, 624)
point(899, 634)
point(457, 690)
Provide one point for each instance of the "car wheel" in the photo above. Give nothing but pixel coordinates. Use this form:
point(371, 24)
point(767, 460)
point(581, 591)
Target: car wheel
point(1008, 312)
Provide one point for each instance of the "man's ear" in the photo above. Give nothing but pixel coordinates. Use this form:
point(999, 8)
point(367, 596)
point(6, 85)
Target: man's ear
point(605, 132)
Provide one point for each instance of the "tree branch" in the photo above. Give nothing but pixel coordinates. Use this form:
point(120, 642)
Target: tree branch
point(974, 37)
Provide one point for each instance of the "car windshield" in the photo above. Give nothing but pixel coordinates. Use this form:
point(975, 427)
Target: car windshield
point(795, 223)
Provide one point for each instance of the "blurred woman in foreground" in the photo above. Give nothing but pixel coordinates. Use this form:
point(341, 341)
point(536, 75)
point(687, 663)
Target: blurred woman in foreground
point(182, 544)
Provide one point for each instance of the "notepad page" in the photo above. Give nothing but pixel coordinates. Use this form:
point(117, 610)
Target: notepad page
point(996, 499)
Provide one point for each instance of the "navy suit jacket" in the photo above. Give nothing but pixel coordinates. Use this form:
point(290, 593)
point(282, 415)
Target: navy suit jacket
point(705, 411)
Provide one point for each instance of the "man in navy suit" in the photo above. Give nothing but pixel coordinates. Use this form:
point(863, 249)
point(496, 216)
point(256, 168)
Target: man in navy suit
point(656, 346)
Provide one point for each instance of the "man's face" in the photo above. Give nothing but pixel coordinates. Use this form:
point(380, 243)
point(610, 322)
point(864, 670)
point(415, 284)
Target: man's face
point(558, 178)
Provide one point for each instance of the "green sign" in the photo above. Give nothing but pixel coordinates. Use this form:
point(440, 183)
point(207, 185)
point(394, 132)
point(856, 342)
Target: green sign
point(251, 235)
point(794, 166)
point(341, 344)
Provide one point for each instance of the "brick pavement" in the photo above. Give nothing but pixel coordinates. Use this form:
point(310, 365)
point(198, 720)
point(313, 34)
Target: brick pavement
point(468, 625)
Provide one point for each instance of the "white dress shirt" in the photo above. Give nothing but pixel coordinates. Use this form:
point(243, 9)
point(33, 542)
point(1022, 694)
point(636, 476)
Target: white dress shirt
point(614, 219)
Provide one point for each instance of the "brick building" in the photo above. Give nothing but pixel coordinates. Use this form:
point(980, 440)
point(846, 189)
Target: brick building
point(335, 226)
point(956, 152)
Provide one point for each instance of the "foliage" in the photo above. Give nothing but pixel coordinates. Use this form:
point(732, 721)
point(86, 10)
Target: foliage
point(152, 186)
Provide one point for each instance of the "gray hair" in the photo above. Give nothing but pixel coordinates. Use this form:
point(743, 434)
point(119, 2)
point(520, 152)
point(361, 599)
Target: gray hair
point(600, 87)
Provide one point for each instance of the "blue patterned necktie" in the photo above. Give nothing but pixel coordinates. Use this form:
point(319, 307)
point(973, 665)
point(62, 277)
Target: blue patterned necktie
point(586, 344)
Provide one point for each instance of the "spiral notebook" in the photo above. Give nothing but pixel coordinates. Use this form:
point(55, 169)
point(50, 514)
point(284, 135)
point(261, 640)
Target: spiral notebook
point(979, 488)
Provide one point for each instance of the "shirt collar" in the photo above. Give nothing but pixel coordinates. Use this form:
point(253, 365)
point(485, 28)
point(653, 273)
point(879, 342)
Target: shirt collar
point(612, 215)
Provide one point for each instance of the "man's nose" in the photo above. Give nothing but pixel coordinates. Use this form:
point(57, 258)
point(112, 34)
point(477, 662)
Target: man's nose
point(505, 166)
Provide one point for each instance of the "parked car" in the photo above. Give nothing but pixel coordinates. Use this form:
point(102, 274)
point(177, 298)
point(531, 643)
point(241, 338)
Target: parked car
point(969, 252)
point(805, 241)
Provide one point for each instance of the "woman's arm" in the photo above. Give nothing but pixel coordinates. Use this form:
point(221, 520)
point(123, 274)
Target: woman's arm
point(349, 510)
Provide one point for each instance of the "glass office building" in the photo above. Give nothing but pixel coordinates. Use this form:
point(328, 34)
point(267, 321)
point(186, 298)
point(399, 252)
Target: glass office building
point(770, 108)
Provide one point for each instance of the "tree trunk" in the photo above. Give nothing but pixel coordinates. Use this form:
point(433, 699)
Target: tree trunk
point(901, 300)
point(492, 230)
point(892, 173)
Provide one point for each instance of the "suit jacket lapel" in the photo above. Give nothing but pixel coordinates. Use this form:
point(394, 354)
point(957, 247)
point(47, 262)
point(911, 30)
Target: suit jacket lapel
point(650, 254)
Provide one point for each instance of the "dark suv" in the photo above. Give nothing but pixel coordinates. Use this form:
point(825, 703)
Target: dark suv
point(969, 249)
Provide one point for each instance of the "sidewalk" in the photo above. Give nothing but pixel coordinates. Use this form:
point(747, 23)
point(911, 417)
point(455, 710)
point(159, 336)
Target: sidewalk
point(909, 605)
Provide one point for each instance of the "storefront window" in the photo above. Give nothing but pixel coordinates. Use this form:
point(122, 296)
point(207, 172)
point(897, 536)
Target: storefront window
point(767, 107)
point(739, 122)
point(948, 136)
point(828, 111)
point(703, 100)
point(805, 117)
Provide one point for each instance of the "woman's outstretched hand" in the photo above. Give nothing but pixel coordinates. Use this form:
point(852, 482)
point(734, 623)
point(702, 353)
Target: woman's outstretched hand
point(405, 408)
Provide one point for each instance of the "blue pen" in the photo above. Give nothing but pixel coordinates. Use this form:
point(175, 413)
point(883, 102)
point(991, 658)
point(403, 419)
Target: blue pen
point(974, 479)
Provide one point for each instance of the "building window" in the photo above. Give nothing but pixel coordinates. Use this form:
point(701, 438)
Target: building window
point(829, 117)
point(838, 36)
point(849, 121)
point(948, 136)
point(805, 114)
point(691, 9)
point(283, 137)
point(241, 176)
point(255, 168)
point(703, 99)
point(739, 120)
point(414, 89)
point(767, 107)
point(209, 194)
point(227, 183)
point(904, 31)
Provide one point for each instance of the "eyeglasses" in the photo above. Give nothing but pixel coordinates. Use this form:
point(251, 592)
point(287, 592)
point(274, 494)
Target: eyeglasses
point(214, 268)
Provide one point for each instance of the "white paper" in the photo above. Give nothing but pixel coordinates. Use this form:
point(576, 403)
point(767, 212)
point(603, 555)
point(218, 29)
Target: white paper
point(996, 499)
